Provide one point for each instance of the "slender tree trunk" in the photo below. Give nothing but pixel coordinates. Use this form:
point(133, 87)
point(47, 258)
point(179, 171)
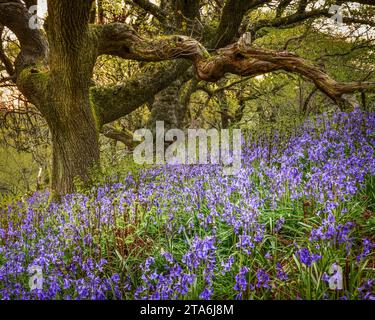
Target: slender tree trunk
point(100, 12)
point(224, 110)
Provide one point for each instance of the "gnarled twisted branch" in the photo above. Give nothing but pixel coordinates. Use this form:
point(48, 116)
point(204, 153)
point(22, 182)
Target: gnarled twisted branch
point(240, 58)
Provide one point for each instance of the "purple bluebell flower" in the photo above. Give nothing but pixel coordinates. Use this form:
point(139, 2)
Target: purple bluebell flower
point(306, 257)
point(263, 279)
point(281, 275)
point(241, 282)
point(279, 224)
point(367, 290)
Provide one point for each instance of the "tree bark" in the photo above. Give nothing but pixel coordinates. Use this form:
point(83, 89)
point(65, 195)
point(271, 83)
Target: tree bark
point(168, 108)
point(69, 114)
point(75, 151)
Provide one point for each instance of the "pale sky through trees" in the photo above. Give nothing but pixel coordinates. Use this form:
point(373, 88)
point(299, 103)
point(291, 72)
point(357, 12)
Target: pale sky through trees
point(42, 8)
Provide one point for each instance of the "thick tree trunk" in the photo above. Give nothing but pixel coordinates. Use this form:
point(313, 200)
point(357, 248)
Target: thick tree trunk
point(74, 131)
point(75, 153)
point(71, 118)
